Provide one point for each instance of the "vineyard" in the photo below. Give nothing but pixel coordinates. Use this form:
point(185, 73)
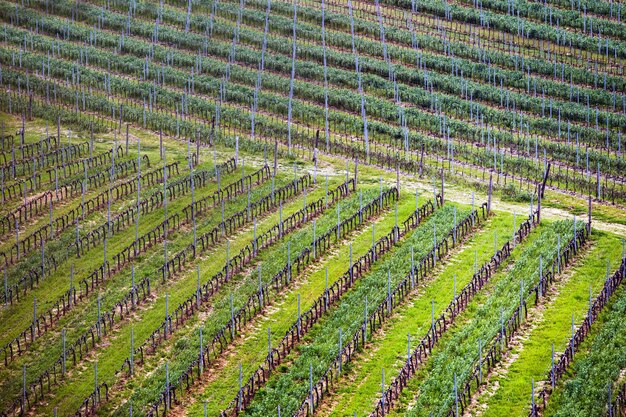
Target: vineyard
point(313, 208)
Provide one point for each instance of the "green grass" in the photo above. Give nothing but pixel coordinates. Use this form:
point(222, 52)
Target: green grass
point(222, 382)
point(55, 285)
point(600, 360)
point(431, 390)
point(84, 314)
point(150, 377)
point(116, 348)
point(360, 387)
point(533, 357)
point(289, 386)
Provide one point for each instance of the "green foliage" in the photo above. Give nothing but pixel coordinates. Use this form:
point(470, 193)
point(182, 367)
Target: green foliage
point(458, 349)
point(599, 363)
point(321, 343)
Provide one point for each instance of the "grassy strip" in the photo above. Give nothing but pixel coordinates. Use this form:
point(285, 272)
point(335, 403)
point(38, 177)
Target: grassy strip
point(52, 289)
point(136, 295)
point(599, 361)
point(221, 383)
point(77, 322)
point(184, 347)
point(481, 320)
point(532, 360)
point(71, 245)
point(281, 275)
point(51, 225)
point(288, 388)
point(115, 348)
point(388, 347)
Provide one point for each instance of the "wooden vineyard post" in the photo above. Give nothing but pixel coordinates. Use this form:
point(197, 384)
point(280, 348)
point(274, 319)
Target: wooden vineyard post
point(254, 242)
point(454, 230)
point(490, 193)
point(223, 224)
point(90, 141)
point(412, 267)
point(63, 356)
point(340, 348)
point(127, 139)
point(198, 288)
point(338, 222)
point(95, 381)
point(591, 296)
point(71, 285)
point(434, 244)
point(598, 191)
point(573, 333)
point(545, 179)
point(131, 364)
point(381, 193)
point(365, 322)
point(389, 291)
point(454, 286)
point(167, 315)
point(351, 264)
point(442, 188)
point(311, 386)
point(538, 207)
point(417, 199)
point(421, 161)
point(475, 261)
point(299, 318)
point(315, 164)
point(198, 147)
point(382, 390)
point(35, 314)
point(532, 396)
point(432, 315)
point(201, 361)
point(575, 241)
point(314, 238)
point(161, 143)
point(408, 347)
point(261, 301)
point(398, 178)
point(275, 157)
point(99, 326)
point(552, 376)
point(167, 385)
point(589, 216)
point(480, 364)
point(22, 130)
point(280, 219)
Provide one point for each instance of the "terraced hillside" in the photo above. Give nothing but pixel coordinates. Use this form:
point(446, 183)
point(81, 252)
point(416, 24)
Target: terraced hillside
point(222, 208)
